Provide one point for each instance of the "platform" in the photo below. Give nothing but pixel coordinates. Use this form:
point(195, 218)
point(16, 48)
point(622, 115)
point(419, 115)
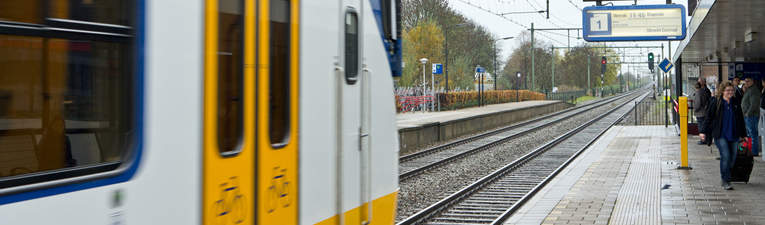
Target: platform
point(417, 130)
point(419, 118)
point(630, 176)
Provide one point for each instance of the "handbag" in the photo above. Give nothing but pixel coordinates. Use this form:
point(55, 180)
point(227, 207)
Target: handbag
point(746, 145)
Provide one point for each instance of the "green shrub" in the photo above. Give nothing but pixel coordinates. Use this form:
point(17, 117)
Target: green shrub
point(466, 99)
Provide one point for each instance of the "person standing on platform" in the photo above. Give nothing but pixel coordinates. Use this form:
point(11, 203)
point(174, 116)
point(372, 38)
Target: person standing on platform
point(739, 94)
point(55, 149)
point(700, 104)
point(698, 111)
point(725, 123)
point(750, 105)
point(762, 114)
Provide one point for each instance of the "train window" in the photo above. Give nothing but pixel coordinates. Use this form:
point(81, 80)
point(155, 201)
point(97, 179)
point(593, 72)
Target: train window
point(279, 77)
point(24, 11)
point(65, 107)
point(108, 12)
point(230, 84)
point(386, 10)
point(351, 46)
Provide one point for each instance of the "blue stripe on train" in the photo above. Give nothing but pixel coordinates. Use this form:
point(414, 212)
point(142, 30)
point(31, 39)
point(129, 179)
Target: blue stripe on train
point(140, 40)
point(395, 59)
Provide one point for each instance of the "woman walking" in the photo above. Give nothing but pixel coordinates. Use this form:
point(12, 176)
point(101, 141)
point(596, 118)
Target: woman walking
point(725, 123)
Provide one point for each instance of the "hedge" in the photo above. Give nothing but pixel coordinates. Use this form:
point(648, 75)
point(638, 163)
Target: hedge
point(611, 90)
point(466, 99)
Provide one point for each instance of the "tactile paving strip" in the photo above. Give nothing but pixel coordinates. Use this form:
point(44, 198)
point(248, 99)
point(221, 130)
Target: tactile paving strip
point(639, 201)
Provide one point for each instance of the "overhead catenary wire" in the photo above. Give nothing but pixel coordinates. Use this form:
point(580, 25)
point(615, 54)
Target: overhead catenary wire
point(499, 7)
point(532, 5)
point(553, 15)
point(552, 32)
point(554, 24)
point(513, 21)
point(577, 7)
point(535, 8)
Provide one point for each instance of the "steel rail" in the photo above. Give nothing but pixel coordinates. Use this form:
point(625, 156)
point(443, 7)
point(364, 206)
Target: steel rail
point(412, 173)
point(464, 192)
point(419, 154)
point(509, 212)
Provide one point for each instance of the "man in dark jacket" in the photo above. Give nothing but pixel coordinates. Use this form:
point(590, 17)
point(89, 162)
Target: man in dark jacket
point(739, 94)
point(700, 103)
point(751, 106)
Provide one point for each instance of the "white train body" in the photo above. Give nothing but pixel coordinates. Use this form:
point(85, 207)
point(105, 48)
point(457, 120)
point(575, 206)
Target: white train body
point(335, 163)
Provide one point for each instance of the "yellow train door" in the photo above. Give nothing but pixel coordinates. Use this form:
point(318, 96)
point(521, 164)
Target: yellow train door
point(228, 183)
point(277, 130)
point(250, 112)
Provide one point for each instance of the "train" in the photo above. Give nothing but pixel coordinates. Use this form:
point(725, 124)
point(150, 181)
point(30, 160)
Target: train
point(207, 112)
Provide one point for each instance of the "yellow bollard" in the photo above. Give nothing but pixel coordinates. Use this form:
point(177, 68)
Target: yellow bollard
point(683, 111)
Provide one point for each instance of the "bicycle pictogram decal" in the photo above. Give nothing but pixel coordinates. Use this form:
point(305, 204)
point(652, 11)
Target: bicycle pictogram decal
point(231, 205)
point(279, 191)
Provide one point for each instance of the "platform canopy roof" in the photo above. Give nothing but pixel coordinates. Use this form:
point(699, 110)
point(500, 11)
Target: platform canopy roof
point(718, 32)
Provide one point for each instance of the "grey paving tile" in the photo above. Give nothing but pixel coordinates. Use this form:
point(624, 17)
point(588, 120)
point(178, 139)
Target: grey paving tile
point(605, 176)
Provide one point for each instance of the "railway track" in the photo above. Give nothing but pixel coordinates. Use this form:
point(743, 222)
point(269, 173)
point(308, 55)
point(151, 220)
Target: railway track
point(416, 163)
point(495, 197)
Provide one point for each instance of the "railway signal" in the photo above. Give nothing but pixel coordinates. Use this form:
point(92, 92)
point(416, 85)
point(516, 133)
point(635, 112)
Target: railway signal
point(650, 61)
point(602, 65)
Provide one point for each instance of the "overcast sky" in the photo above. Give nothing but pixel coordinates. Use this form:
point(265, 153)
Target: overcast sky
point(563, 14)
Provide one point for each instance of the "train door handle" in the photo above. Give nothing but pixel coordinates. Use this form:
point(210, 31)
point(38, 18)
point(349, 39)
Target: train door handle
point(366, 84)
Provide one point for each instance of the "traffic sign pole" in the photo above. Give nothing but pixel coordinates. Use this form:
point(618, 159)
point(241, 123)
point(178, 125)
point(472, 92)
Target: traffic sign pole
point(437, 69)
point(480, 70)
point(432, 89)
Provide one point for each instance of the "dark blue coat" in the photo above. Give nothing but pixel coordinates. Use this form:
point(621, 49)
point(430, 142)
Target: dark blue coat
point(713, 120)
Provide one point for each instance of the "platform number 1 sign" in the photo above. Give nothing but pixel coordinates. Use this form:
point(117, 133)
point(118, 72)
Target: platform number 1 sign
point(599, 22)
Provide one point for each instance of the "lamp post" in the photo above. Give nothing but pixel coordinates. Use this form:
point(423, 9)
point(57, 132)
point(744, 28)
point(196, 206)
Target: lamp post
point(495, 60)
point(552, 75)
point(533, 52)
point(517, 75)
point(446, 49)
point(423, 60)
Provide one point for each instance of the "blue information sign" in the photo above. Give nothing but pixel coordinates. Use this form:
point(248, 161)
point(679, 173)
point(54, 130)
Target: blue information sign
point(634, 23)
point(746, 69)
point(480, 70)
point(665, 65)
point(437, 68)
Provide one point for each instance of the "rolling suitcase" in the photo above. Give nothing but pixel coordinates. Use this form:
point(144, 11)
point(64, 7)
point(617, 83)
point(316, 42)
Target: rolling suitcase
point(742, 167)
